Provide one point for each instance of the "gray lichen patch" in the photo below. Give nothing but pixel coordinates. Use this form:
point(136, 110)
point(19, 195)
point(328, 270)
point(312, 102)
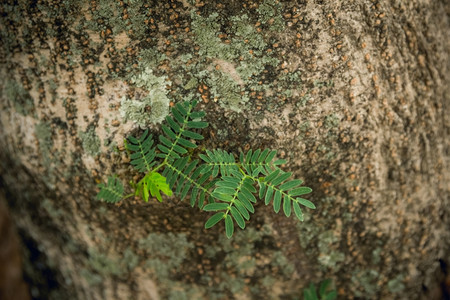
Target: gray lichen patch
point(43, 133)
point(396, 285)
point(153, 107)
point(226, 90)
point(166, 251)
point(270, 12)
point(90, 141)
point(101, 264)
point(234, 62)
point(22, 101)
point(366, 280)
point(230, 263)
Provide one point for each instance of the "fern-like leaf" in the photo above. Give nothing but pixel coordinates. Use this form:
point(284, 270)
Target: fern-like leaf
point(259, 162)
point(226, 185)
point(178, 134)
point(234, 195)
point(152, 184)
point(112, 191)
point(142, 153)
point(278, 188)
point(219, 161)
point(326, 291)
point(188, 179)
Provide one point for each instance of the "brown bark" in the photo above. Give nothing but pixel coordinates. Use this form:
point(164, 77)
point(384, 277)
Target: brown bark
point(354, 95)
point(12, 285)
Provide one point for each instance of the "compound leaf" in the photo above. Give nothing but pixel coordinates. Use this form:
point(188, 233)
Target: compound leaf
point(141, 151)
point(154, 183)
point(175, 142)
point(112, 191)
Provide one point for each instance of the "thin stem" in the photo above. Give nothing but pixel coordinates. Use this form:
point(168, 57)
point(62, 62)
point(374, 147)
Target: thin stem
point(235, 194)
point(159, 166)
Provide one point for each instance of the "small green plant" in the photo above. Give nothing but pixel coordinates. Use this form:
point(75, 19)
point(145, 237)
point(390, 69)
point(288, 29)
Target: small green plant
point(215, 180)
point(326, 291)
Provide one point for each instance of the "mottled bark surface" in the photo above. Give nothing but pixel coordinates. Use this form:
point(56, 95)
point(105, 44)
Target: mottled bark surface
point(354, 94)
point(12, 285)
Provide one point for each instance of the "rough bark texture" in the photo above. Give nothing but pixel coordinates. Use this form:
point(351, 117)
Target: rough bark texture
point(12, 284)
point(354, 94)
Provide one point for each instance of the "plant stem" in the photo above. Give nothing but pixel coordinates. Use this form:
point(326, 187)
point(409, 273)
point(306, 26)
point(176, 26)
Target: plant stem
point(159, 167)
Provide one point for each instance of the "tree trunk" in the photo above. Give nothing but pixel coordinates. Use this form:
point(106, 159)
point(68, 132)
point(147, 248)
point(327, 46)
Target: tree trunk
point(353, 94)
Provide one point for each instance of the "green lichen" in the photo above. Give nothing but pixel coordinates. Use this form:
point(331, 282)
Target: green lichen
point(50, 12)
point(20, 98)
point(167, 251)
point(303, 100)
point(43, 133)
point(192, 84)
point(205, 31)
point(246, 36)
point(244, 56)
point(328, 257)
point(270, 12)
point(53, 86)
point(331, 259)
point(150, 58)
point(233, 261)
point(103, 264)
point(331, 121)
point(376, 257)
point(91, 142)
point(180, 291)
point(136, 26)
point(109, 14)
point(226, 89)
point(307, 233)
point(50, 209)
point(321, 84)
point(75, 56)
point(152, 108)
point(91, 277)
point(241, 262)
point(367, 280)
point(12, 17)
point(288, 81)
point(396, 285)
point(130, 259)
point(233, 67)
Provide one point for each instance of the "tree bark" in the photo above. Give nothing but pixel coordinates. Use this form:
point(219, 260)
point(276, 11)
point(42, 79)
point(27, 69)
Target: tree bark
point(353, 94)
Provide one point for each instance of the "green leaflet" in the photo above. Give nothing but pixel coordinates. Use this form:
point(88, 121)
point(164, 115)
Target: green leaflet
point(214, 220)
point(229, 226)
point(216, 181)
point(112, 191)
point(219, 161)
point(215, 206)
point(258, 162)
point(326, 291)
point(238, 217)
point(152, 184)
